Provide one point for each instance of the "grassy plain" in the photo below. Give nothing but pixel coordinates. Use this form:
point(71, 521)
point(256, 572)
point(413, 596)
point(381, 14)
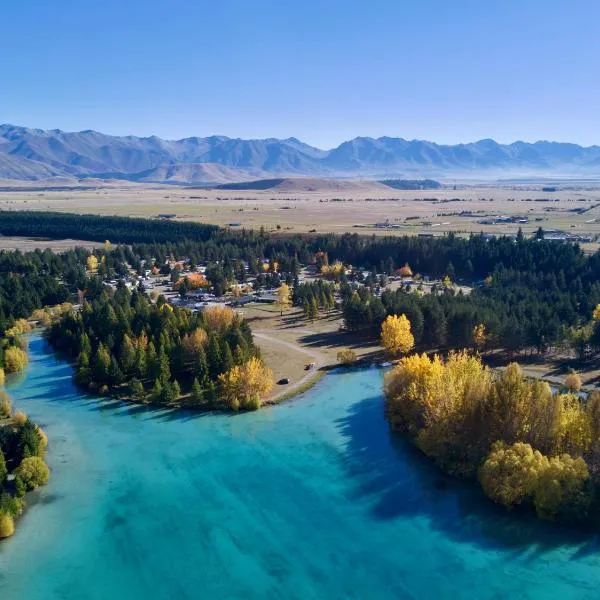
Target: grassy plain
point(576, 211)
point(30, 244)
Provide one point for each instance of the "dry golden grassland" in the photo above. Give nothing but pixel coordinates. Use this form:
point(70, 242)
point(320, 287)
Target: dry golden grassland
point(345, 210)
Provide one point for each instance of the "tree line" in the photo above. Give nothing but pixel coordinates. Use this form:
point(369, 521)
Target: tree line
point(518, 310)
point(22, 448)
point(470, 258)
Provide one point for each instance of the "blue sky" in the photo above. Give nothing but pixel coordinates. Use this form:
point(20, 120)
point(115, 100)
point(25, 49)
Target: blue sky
point(321, 70)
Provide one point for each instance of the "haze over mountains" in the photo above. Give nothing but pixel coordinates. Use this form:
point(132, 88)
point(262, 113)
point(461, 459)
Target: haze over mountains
point(34, 154)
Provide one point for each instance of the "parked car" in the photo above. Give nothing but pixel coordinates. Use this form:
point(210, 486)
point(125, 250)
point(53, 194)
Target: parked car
point(283, 381)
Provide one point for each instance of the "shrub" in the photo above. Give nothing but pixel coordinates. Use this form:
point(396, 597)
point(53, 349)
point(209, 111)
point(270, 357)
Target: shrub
point(2, 377)
point(573, 382)
point(20, 487)
point(253, 403)
point(346, 356)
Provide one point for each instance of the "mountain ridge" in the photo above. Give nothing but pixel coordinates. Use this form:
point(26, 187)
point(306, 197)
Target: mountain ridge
point(33, 154)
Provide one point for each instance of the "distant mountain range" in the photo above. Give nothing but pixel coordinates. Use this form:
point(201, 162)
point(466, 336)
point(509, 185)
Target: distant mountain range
point(34, 154)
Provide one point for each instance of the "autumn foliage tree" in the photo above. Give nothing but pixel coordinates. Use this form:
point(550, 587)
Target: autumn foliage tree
point(573, 382)
point(218, 318)
point(20, 327)
point(193, 281)
point(405, 271)
point(33, 471)
point(510, 474)
point(556, 487)
point(284, 298)
point(396, 336)
point(15, 359)
point(92, 263)
point(529, 445)
point(245, 386)
point(332, 271)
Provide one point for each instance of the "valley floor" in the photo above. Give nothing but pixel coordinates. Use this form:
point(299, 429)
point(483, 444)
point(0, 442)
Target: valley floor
point(572, 212)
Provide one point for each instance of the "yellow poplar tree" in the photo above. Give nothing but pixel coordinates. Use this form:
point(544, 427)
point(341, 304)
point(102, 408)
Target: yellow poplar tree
point(396, 336)
point(92, 263)
point(20, 326)
point(333, 271)
point(284, 298)
point(244, 386)
point(42, 316)
point(15, 359)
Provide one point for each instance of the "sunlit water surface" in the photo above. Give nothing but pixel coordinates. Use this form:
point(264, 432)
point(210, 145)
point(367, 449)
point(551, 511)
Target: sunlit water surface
point(310, 499)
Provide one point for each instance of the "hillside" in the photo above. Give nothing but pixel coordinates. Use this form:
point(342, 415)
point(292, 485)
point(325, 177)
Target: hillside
point(194, 173)
point(32, 154)
point(305, 184)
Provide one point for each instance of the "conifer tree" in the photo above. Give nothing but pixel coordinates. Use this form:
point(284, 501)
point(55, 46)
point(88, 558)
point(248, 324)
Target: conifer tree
point(196, 396)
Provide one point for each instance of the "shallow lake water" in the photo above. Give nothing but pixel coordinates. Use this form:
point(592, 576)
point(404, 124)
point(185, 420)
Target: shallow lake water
point(310, 499)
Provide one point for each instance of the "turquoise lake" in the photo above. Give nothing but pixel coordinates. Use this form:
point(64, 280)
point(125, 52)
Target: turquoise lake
point(312, 499)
